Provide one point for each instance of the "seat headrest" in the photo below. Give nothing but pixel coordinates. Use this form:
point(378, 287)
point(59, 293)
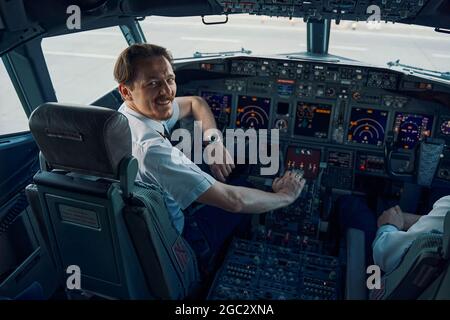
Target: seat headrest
point(84, 139)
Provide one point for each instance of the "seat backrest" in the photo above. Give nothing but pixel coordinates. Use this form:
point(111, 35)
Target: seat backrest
point(161, 250)
point(423, 272)
point(25, 261)
point(96, 218)
point(440, 289)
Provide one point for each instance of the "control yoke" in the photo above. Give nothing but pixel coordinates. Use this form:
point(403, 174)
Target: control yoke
point(418, 165)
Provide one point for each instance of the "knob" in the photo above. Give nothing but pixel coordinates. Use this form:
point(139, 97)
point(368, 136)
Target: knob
point(356, 95)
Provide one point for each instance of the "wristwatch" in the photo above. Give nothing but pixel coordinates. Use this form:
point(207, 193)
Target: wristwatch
point(211, 139)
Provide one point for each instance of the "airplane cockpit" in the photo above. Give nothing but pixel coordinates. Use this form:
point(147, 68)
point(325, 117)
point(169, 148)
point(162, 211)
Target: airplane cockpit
point(376, 132)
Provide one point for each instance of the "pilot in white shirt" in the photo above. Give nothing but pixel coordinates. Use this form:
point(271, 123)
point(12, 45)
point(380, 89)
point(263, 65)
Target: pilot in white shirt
point(182, 180)
point(147, 85)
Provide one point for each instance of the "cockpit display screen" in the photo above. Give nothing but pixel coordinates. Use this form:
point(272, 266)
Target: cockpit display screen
point(411, 128)
point(220, 105)
point(312, 120)
point(253, 112)
point(305, 159)
point(445, 127)
point(285, 87)
point(367, 126)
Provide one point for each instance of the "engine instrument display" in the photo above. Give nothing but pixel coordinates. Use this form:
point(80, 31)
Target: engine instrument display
point(312, 120)
point(220, 105)
point(253, 112)
point(367, 126)
point(411, 128)
point(305, 159)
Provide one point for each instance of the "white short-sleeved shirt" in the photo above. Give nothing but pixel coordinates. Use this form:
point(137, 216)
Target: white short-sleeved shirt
point(390, 244)
point(162, 164)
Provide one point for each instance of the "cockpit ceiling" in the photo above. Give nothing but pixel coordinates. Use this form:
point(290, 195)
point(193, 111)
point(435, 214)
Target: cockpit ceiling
point(22, 20)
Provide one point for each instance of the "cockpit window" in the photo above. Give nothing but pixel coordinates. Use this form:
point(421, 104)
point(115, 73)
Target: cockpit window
point(380, 43)
point(373, 43)
point(186, 36)
point(81, 64)
point(12, 116)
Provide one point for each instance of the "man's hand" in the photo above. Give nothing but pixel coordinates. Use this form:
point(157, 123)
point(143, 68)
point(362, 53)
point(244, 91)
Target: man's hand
point(290, 184)
point(222, 167)
point(392, 216)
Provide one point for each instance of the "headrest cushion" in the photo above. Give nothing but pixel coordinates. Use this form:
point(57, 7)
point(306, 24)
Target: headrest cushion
point(84, 139)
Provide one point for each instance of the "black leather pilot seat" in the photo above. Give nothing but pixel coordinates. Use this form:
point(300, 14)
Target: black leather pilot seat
point(95, 215)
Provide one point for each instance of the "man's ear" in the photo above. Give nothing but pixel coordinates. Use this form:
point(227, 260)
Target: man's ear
point(125, 92)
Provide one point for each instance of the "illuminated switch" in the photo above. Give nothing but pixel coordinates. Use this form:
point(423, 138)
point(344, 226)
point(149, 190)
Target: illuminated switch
point(286, 238)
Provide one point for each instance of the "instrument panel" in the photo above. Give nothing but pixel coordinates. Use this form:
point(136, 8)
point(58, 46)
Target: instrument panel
point(444, 128)
point(252, 112)
point(220, 105)
point(312, 119)
point(305, 159)
point(325, 106)
point(411, 128)
point(367, 126)
point(336, 123)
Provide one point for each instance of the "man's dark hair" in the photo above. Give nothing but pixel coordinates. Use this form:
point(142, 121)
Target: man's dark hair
point(125, 68)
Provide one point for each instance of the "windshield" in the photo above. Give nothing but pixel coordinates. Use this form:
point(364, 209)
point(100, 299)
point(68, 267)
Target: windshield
point(376, 44)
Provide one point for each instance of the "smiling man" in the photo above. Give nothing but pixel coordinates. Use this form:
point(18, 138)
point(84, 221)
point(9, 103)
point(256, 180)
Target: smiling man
point(147, 85)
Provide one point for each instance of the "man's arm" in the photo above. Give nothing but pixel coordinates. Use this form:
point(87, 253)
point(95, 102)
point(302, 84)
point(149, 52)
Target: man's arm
point(395, 216)
point(387, 246)
point(392, 216)
point(200, 110)
point(248, 200)
point(386, 253)
point(410, 219)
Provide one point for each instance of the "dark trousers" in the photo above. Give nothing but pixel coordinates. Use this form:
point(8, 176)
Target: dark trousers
point(209, 229)
point(353, 212)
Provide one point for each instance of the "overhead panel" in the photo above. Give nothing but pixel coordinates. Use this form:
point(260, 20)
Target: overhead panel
point(381, 10)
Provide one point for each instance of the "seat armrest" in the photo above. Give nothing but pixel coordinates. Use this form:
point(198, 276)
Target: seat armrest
point(446, 237)
point(355, 286)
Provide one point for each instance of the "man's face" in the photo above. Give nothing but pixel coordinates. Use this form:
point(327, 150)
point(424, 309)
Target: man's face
point(153, 89)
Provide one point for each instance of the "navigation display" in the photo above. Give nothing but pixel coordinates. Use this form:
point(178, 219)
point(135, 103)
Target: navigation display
point(253, 112)
point(312, 120)
point(367, 126)
point(303, 158)
point(220, 105)
point(411, 128)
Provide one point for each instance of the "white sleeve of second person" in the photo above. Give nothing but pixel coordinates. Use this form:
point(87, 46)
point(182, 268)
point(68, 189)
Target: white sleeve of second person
point(388, 247)
point(391, 244)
